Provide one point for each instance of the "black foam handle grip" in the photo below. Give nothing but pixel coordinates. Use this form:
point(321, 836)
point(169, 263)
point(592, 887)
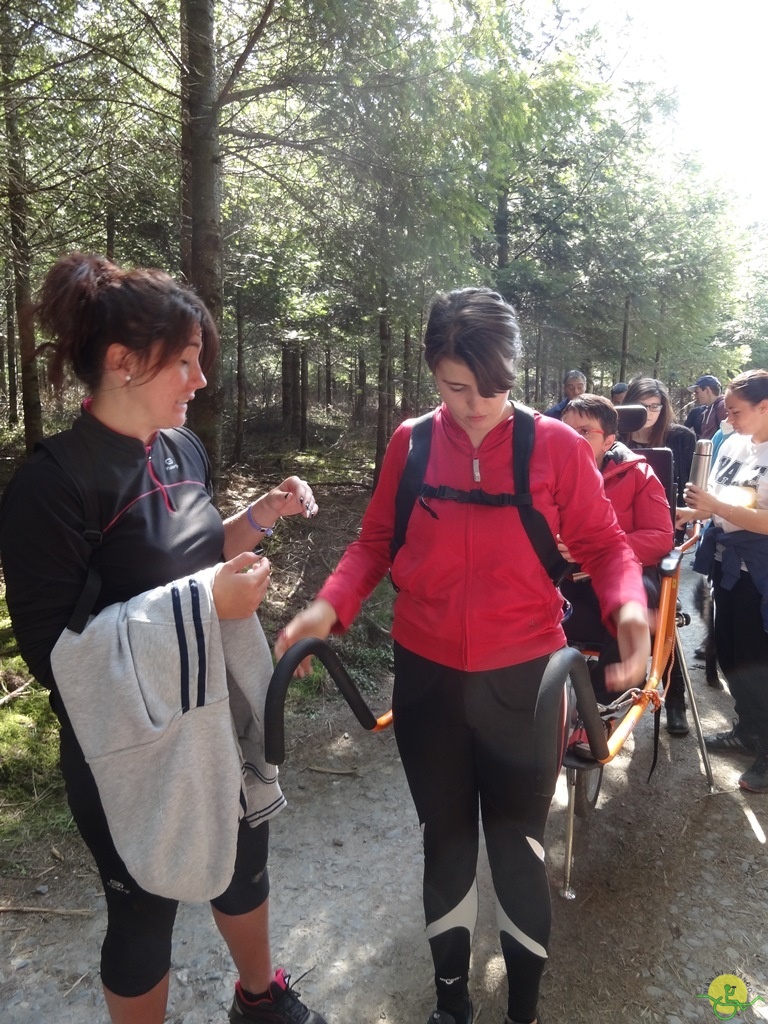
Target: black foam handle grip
point(274, 710)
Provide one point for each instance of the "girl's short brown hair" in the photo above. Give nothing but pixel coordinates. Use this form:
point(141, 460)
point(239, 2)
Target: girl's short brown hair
point(475, 326)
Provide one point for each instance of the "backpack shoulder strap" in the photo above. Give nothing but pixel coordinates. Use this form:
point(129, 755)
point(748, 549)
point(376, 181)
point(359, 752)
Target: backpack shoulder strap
point(59, 449)
point(199, 447)
point(536, 526)
point(412, 478)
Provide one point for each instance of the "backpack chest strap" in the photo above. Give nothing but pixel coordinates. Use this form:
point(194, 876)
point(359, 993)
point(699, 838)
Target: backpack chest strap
point(475, 497)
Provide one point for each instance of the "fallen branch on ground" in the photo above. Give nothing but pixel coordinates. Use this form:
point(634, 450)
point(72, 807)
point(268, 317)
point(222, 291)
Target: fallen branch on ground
point(61, 911)
point(15, 693)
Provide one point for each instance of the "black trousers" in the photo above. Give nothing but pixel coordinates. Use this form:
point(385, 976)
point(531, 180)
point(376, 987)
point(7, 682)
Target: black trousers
point(741, 643)
point(467, 747)
point(136, 953)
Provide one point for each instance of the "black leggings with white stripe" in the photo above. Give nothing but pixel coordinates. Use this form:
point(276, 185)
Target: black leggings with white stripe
point(136, 953)
point(466, 743)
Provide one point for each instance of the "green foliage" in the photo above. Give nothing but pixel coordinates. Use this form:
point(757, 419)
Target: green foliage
point(374, 152)
point(29, 747)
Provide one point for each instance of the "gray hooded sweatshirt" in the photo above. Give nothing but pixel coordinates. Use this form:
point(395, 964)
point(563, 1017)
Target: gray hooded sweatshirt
point(167, 703)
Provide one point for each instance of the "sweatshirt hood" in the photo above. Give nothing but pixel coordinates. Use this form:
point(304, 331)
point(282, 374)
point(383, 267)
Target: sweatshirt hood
point(619, 459)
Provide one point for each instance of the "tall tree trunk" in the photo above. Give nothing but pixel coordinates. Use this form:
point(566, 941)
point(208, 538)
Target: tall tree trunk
point(660, 340)
point(407, 401)
point(328, 378)
point(390, 392)
point(382, 391)
point(5, 341)
point(286, 380)
point(201, 160)
point(419, 362)
point(237, 454)
point(10, 331)
point(303, 433)
point(361, 388)
point(625, 338)
point(110, 222)
point(295, 370)
point(20, 259)
point(501, 230)
point(537, 384)
point(185, 169)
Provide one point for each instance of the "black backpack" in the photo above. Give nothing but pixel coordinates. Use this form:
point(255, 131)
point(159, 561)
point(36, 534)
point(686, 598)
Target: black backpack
point(412, 489)
point(60, 450)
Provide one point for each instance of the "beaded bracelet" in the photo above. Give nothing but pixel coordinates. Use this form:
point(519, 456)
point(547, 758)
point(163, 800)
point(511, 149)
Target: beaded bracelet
point(266, 530)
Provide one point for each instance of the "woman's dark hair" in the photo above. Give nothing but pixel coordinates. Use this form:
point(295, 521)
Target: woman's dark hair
point(597, 408)
point(751, 386)
point(477, 327)
point(642, 388)
point(86, 304)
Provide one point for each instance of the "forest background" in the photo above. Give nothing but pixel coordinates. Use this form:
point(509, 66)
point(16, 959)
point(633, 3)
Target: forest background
point(317, 170)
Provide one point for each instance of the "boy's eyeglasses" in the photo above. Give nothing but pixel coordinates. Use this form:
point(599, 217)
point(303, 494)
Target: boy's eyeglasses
point(586, 431)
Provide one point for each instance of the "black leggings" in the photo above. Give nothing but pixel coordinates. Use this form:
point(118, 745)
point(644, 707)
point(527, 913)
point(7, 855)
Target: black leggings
point(741, 643)
point(466, 743)
point(136, 953)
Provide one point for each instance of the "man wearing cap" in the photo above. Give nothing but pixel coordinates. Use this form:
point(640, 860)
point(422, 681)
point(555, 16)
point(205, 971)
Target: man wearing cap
point(708, 392)
point(619, 392)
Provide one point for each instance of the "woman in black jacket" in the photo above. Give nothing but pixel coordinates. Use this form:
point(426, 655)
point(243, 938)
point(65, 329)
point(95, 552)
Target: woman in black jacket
point(662, 431)
point(141, 344)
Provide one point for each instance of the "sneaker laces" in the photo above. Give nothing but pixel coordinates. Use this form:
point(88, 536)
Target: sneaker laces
point(288, 997)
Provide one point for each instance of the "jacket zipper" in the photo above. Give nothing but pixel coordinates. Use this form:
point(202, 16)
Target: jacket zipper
point(470, 516)
point(160, 485)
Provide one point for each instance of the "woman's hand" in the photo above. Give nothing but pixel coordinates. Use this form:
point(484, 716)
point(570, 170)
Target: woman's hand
point(684, 516)
point(634, 637)
point(563, 549)
point(246, 528)
point(240, 585)
point(701, 504)
point(317, 620)
point(292, 497)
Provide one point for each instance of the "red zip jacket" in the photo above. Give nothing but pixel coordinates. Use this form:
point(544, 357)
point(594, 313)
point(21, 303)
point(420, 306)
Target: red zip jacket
point(641, 505)
point(473, 594)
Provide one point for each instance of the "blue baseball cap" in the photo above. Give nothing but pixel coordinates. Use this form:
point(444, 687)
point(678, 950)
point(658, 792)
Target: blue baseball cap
point(707, 381)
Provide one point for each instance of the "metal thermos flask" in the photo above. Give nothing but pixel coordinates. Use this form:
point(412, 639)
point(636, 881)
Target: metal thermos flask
point(702, 461)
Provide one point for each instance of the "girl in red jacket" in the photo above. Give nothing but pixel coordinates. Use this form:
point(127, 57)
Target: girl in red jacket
point(476, 619)
point(643, 512)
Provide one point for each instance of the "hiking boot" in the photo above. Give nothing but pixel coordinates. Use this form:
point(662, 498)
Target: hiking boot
point(730, 742)
point(443, 1017)
point(282, 1006)
point(677, 720)
point(755, 779)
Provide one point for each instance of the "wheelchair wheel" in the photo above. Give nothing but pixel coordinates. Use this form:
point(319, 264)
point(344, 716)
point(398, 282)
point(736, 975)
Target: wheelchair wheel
point(587, 789)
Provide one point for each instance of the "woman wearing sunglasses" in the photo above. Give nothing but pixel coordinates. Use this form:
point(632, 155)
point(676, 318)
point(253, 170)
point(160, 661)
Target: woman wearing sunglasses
point(661, 430)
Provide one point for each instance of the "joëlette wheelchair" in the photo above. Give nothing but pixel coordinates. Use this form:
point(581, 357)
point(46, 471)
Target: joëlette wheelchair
point(584, 762)
point(571, 729)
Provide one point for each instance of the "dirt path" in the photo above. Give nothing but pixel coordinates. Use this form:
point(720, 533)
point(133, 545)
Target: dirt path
point(671, 887)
